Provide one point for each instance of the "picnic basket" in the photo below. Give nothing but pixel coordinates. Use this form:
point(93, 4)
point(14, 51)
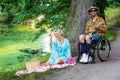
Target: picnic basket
point(31, 65)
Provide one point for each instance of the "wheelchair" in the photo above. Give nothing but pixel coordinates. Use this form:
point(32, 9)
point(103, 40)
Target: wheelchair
point(101, 47)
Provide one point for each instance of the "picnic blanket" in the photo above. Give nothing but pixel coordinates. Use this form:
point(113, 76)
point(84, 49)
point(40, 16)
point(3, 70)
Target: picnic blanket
point(44, 68)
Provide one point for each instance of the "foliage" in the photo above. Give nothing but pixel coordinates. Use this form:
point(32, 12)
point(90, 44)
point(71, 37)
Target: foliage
point(111, 35)
point(55, 11)
point(29, 9)
point(106, 3)
point(112, 15)
point(10, 7)
point(38, 33)
point(113, 2)
point(101, 7)
point(55, 14)
point(3, 17)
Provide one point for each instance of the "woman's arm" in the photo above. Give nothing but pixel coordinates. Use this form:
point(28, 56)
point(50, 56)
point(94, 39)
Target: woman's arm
point(50, 35)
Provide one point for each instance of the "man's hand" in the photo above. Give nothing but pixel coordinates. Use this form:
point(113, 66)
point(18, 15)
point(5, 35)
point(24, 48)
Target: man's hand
point(92, 30)
point(97, 26)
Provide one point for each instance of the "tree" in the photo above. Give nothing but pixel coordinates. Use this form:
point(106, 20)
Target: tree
point(102, 6)
point(76, 21)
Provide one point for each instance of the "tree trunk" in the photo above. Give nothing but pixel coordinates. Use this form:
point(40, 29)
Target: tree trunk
point(76, 22)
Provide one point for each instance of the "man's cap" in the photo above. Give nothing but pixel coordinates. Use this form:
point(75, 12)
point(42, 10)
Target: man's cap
point(93, 7)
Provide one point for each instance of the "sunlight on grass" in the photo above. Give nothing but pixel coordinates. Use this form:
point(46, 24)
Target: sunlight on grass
point(11, 49)
point(112, 15)
point(17, 37)
point(111, 35)
point(12, 59)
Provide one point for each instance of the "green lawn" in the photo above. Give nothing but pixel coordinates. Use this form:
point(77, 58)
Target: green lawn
point(111, 35)
point(112, 15)
point(12, 41)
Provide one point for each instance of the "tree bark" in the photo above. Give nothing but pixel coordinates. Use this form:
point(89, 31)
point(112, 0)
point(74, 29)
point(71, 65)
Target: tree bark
point(76, 22)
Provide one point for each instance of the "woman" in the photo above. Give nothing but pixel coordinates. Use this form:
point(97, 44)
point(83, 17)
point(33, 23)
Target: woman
point(95, 28)
point(60, 49)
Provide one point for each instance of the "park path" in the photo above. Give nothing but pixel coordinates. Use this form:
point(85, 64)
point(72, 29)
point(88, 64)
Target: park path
point(109, 70)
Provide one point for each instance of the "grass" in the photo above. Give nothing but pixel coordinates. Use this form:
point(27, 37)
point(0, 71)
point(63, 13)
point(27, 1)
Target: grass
point(11, 42)
point(11, 65)
point(10, 75)
point(14, 39)
point(112, 15)
point(111, 35)
point(3, 16)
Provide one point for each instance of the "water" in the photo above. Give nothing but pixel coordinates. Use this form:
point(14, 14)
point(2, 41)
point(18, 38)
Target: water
point(46, 43)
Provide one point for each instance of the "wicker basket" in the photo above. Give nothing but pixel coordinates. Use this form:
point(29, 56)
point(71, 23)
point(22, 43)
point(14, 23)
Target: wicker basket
point(31, 65)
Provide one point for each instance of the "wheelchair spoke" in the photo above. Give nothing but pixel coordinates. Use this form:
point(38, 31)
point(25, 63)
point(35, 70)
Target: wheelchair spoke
point(104, 49)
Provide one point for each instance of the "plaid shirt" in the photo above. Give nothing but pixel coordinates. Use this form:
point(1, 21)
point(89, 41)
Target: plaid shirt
point(91, 24)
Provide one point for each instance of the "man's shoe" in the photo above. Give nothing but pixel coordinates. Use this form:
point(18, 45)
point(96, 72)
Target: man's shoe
point(84, 58)
point(90, 59)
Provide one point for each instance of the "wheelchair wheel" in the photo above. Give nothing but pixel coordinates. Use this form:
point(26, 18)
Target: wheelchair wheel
point(103, 49)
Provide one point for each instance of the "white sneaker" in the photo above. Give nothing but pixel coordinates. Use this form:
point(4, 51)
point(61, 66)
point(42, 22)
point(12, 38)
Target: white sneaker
point(90, 59)
point(84, 58)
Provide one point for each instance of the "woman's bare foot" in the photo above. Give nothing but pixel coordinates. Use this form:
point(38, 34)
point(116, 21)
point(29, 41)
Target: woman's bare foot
point(61, 61)
point(47, 64)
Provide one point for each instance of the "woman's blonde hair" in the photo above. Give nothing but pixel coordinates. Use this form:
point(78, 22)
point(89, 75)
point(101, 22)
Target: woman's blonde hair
point(58, 30)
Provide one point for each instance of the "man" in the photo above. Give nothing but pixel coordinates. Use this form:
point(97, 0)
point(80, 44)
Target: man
point(95, 28)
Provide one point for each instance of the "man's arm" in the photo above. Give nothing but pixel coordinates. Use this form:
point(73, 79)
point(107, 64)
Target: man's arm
point(101, 26)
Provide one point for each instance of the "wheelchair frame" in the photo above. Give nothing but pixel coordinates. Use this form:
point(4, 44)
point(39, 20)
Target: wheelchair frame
point(98, 46)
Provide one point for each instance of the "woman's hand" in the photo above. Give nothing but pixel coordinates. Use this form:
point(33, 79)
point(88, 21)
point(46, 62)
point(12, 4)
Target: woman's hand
point(50, 35)
point(47, 64)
